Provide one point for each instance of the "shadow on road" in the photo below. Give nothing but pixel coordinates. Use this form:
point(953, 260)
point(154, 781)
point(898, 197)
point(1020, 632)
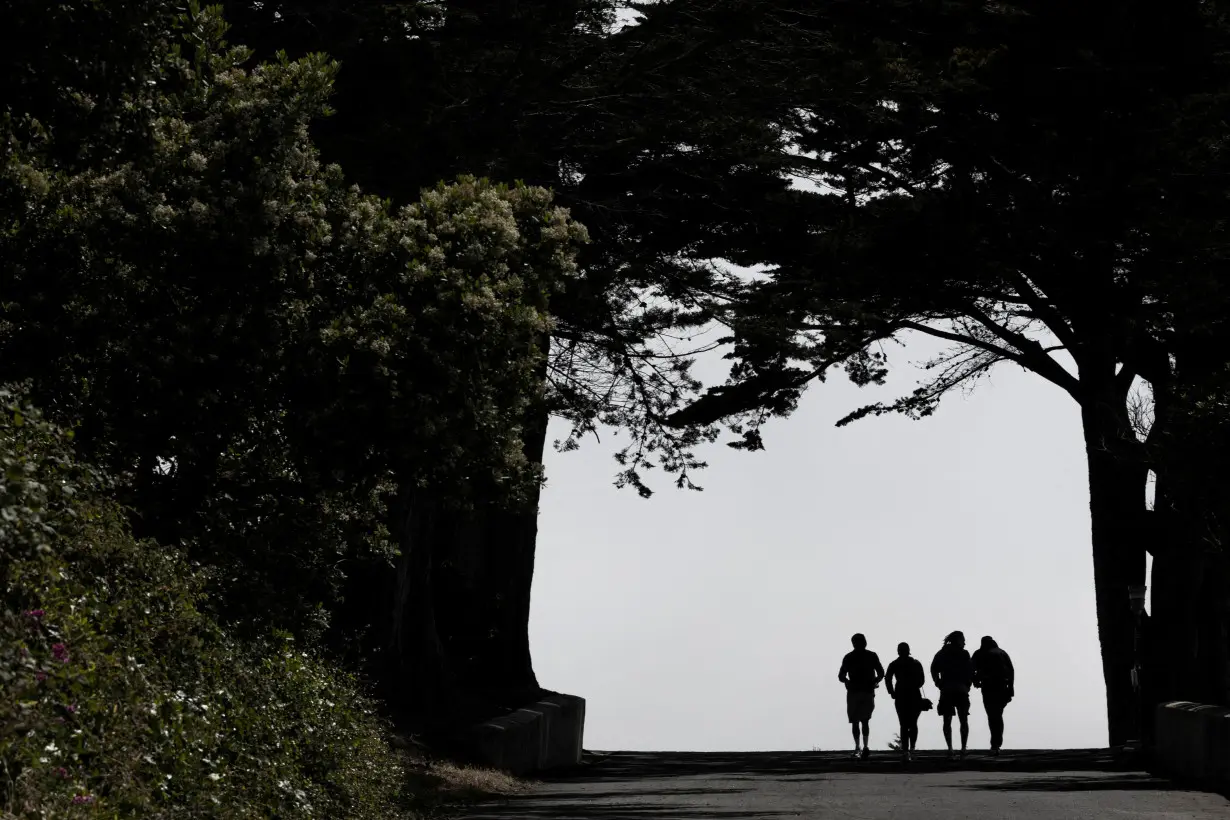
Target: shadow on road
point(622, 766)
point(690, 786)
point(576, 810)
point(594, 794)
point(1081, 783)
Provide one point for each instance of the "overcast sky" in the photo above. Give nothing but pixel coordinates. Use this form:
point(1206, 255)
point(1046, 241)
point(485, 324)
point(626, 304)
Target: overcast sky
point(717, 620)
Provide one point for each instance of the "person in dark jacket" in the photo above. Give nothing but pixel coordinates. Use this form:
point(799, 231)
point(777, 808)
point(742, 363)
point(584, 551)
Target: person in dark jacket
point(953, 673)
point(904, 681)
point(861, 672)
point(994, 675)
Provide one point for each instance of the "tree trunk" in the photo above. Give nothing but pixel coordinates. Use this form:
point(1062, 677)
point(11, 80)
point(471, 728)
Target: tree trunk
point(487, 573)
point(445, 632)
point(1189, 577)
point(1190, 595)
point(1117, 479)
point(417, 666)
point(514, 534)
point(484, 603)
point(1213, 642)
point(1176, 580)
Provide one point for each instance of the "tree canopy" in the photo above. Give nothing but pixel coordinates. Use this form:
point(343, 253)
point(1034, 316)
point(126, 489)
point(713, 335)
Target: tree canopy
point(235, 273)
point(261, 348)
point(1035, 184)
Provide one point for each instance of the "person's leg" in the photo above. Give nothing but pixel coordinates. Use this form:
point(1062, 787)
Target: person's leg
point(948, 731)
point(867, 705)
point(903, 722)
point(852, 716)
point(995, 720)
point(909, 732)
point(963, 715)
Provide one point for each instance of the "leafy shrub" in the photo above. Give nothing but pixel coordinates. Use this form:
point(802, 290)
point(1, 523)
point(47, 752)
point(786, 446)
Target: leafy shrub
point(260, 353)
point(120, 696)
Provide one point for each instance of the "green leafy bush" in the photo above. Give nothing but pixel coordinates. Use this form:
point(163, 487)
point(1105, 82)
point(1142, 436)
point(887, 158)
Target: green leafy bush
point(120, 696)
point(259, 352)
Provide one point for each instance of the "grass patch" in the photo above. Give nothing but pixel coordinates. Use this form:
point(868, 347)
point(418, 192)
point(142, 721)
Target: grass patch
point(477, 782)
point(438, 786)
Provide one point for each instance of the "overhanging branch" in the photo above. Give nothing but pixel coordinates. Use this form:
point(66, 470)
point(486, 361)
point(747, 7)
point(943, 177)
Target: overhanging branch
point(1029, 353)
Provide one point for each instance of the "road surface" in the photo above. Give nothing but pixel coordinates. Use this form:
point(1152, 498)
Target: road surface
point(1069, 785)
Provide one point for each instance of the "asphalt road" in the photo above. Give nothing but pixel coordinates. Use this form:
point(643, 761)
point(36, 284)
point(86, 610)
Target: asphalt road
point(1069, 785)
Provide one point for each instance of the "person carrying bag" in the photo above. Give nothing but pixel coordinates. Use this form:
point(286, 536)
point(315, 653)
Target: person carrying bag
point(904, 681)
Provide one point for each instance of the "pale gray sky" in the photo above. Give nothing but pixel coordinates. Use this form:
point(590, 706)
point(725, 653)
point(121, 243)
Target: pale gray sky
point(717, 620)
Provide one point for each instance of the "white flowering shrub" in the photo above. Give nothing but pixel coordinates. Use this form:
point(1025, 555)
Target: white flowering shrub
point(119, 696)
point(256, 350)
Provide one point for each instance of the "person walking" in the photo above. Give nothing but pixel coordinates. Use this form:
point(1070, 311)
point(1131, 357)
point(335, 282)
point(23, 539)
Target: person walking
point(952, 671)
point(994, 675)
point(861, 672)
point(904, 681)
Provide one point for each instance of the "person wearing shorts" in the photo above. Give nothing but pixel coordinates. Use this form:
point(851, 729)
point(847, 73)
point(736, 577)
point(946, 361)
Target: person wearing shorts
point(861, 672)
point(952, 671)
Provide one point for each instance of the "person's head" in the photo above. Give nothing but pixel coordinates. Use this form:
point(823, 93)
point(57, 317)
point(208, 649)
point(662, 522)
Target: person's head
point(988, 642)
point(956, 639)
point(859, 641)
point(903, 649)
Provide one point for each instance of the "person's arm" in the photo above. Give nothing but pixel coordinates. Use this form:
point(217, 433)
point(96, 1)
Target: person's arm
point(974, 678)
point(935, 671)
point(1011, 675)
point(878, 667)
point(843, 673)
point(888, 679)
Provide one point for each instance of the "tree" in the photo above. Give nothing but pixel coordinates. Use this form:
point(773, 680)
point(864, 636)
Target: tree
point(1190, 627)
point(271, 360)
point(635, 133)
point(633, 129)
point(1022, 180)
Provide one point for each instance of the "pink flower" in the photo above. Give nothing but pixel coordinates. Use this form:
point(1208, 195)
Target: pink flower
point(34, 613)
point(72, 708)
point(62, 772)
point(83, 798)
point(60, 651)
point(40, 676)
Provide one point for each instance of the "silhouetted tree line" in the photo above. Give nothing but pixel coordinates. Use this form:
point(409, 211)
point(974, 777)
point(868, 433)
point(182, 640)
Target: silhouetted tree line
point(357, 449)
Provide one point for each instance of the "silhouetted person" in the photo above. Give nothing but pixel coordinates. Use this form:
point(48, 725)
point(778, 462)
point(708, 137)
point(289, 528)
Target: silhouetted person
point(861, 672)
point(953, 673)
point(904, 681)
point(993, 673)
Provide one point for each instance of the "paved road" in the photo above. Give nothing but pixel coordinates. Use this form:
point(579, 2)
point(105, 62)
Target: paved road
point(1034, 785)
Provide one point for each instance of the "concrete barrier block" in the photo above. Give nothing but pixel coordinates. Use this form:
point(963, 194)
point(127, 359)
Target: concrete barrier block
point(512, 743)
point(1217, 746)
point(566, 737)
point(1192, 742)
point(550, 716)
point(545, 735)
